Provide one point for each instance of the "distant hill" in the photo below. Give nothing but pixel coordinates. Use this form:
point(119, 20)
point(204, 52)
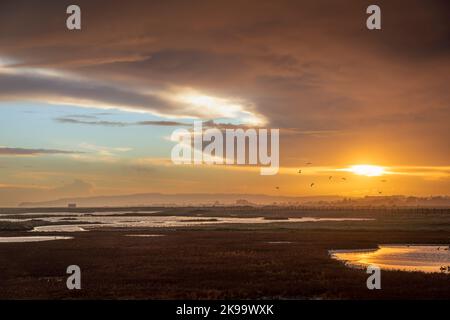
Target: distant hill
point(156, 199)
point(200, 199)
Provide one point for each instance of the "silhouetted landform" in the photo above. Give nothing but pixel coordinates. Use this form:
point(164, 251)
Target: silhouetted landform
point(201, 199)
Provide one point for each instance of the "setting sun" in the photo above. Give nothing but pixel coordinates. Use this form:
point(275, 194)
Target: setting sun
point(367, 170)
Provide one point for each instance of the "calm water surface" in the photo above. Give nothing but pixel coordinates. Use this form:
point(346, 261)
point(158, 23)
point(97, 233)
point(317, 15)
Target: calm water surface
point(425, 258)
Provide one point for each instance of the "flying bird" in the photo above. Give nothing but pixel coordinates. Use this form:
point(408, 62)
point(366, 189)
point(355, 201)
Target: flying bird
point(329, 178)
point(278, 188)
point(299, 171)
point(312, 184)
point(308, 163)
point(343, 178)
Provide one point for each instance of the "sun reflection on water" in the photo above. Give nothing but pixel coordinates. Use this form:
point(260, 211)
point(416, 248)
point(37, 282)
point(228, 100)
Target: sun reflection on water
point(425, 258)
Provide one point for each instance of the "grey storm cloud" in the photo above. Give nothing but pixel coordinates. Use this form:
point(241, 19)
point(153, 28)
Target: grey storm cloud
point(305, 66)
point(24, 85)
point(74, 120)
point(93, 120)
point(25, 151)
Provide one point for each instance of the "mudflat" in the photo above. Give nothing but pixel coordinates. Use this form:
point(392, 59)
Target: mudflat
point(224, 261)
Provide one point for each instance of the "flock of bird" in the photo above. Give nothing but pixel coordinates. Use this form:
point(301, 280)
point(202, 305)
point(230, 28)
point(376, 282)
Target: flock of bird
point(329, 178)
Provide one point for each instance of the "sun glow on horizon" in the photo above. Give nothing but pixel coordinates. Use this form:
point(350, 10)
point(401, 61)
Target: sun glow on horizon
point(367, 170)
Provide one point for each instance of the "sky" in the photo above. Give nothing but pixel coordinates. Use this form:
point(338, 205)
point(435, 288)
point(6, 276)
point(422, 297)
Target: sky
point(90, 112)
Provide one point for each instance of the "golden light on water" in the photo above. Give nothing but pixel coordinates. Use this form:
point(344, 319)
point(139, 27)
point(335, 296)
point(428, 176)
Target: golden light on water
point(367, 170)
point(425, 258)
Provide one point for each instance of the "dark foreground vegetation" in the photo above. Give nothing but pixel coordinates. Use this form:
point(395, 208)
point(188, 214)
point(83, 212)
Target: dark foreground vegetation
point(224, 261)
